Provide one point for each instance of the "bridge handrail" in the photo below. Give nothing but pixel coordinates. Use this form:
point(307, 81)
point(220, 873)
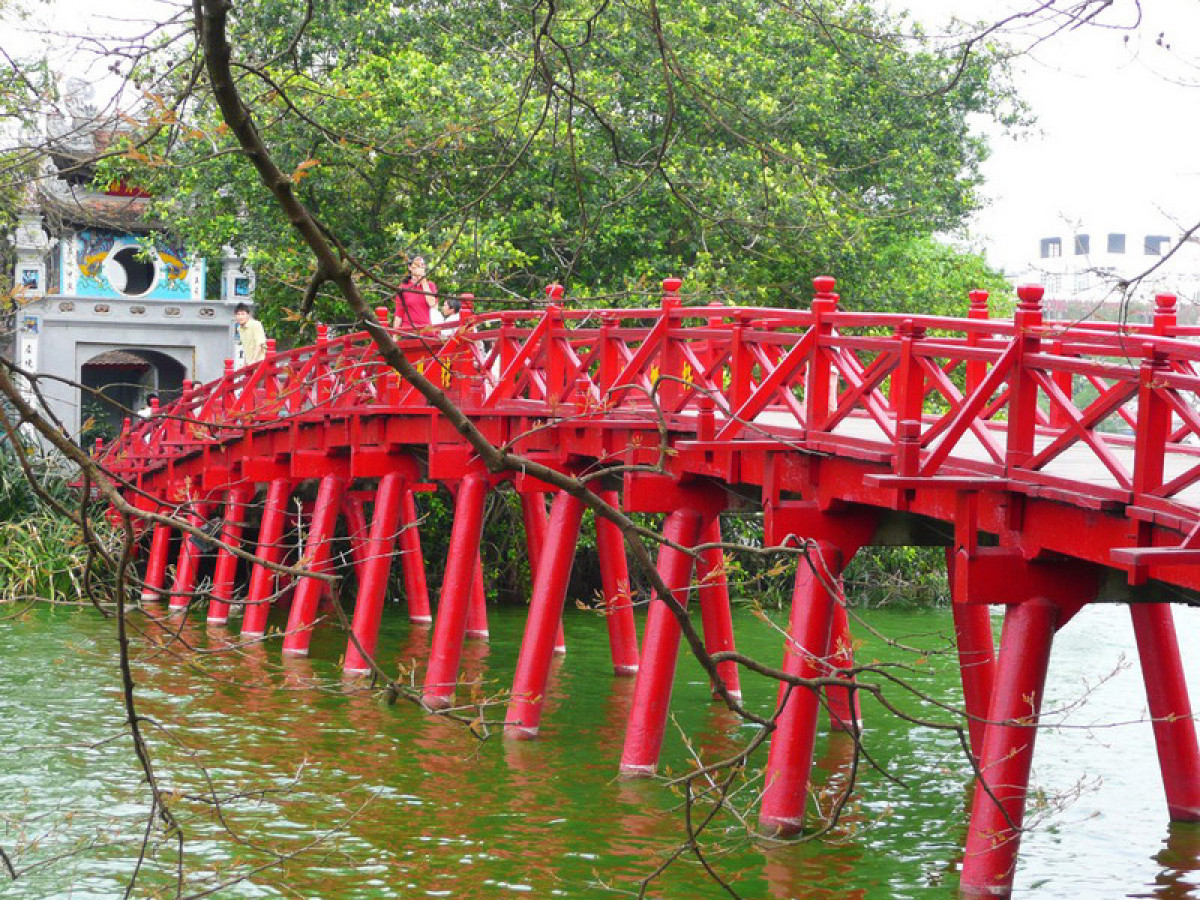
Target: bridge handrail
point(934, 394)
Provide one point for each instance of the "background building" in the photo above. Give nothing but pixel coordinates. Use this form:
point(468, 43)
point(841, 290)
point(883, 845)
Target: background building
point(1085, 265)
point(108, 307)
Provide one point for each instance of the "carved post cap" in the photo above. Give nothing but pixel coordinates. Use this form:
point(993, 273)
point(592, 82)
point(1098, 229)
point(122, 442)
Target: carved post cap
point(1165, 303)
point(1030, 297)
point(824, 284)
point(381, 313)
point(554, 292)
point(978, 306)
point(466, 305)
point(671, 286)
point(825, 298)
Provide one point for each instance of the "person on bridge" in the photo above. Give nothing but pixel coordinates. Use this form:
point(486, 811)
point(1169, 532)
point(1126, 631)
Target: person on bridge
point(448, 316)
point(251, 335)
point(151, 406)
point(417, 298)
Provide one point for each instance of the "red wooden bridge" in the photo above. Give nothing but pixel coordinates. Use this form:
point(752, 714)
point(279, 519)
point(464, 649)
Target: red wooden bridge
point(1059, 464)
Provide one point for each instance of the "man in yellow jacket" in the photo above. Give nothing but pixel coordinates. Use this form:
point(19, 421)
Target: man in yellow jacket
point(251, 334)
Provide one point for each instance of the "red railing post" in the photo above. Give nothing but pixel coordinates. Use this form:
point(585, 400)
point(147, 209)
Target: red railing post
point(1165, 317)
point(1023, 390)
point(228, 397)
point(669, 390)
point(268, 380)
point(1153, 422)
point(387, 380)
point(470, 381)
point(820, 390)
point(976, 310)
point(741, 367)
point(1065, 382)
point(555, 364)
point(908, 399)
point(609, 366)
point(322, 377)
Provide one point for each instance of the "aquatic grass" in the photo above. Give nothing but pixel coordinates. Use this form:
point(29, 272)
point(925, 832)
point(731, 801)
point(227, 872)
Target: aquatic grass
point(43, 554)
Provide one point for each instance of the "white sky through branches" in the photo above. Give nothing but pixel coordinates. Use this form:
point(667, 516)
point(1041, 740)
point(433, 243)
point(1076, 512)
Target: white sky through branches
point(1116, 108)
point(1117, 125)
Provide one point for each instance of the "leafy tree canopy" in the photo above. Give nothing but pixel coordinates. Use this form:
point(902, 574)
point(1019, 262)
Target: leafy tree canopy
point(745, 145)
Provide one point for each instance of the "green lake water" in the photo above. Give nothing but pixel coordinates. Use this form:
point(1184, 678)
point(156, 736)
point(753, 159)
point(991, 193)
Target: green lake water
point(326, 791)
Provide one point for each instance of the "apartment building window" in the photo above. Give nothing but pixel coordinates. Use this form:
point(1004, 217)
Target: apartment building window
point(1082, 281)
point(1051, 247)
point(1116, 243)
point(1157, 244)
point(1083, 244)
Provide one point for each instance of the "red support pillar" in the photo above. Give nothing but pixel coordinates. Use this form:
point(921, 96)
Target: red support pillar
point(652, 690)
point(976, 656)
point(1170, 708)
point(533, 511)
point(317, 553)
point(545, 615)
point(225, 571)
point(373, 574)
point(412, 562)
point(789, 759)
point(156, 563)
point(356, 531)
point(998, 809)
point(618, 597)
point(477, 623)
point(184, 585)
point(845, 711)
point(715, 613)
point(270, 549)
point(449, 631)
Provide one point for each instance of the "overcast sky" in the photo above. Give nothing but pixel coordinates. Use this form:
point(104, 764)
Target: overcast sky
point(1117, 132)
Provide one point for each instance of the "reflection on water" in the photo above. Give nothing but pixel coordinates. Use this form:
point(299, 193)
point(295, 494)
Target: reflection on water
point(362, 799)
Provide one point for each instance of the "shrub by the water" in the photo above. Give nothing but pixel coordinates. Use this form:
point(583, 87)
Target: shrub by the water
point(43, 555)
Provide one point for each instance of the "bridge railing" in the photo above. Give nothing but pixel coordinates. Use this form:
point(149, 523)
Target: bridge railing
point(1043, 403)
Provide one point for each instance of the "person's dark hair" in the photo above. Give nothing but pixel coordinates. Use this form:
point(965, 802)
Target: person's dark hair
point(151, 396)
point(454, 303)
point(241, 307)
